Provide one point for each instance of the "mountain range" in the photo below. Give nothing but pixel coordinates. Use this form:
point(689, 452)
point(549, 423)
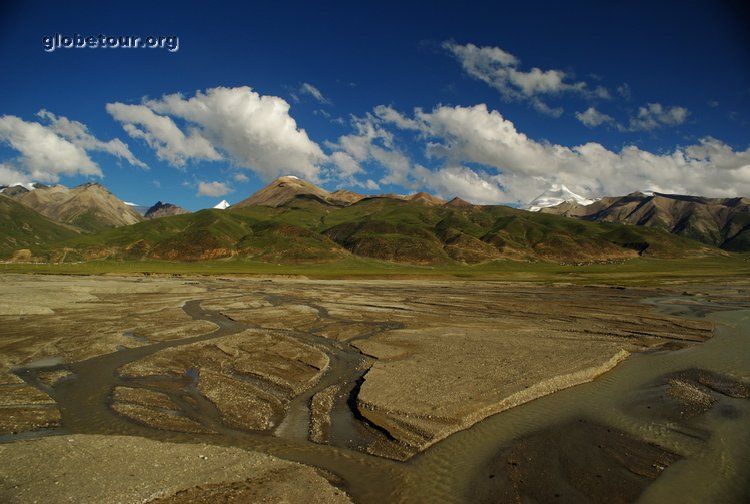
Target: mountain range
point(723, 222)
point(294, 221)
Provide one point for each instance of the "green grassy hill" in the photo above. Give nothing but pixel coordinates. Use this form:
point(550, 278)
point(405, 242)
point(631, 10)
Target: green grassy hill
point(22, 228)
point(307, 230)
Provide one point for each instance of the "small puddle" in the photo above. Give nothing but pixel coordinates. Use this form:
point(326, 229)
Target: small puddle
point(45, 362)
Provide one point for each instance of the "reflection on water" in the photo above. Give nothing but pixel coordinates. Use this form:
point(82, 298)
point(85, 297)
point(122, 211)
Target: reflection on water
point(45, 362)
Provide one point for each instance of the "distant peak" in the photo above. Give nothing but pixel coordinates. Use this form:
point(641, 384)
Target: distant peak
point(162, 209)
point(222, 205)
point(425, 198)
point(458, 203)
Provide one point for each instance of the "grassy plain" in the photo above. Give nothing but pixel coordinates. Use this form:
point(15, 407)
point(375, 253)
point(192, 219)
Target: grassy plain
point(642, 271)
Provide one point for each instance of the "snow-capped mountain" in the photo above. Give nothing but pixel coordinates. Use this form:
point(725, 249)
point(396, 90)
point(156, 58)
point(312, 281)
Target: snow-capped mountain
point(555, 195)
point(222, 205)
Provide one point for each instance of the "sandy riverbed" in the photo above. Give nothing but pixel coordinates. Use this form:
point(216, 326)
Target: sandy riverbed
point(389, 367)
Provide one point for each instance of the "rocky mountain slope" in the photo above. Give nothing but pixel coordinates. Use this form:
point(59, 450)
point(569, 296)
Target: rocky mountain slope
point(723, 222)
point(284, 189)
point(160, 209)
point(90, 207)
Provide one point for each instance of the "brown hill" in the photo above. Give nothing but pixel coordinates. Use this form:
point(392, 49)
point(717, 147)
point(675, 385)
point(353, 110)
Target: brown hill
point(427, 199)
point(284, 189)
point(458, 203)
point(724, 222)
point(163, 210)
point(347, 196)
point(89, 206)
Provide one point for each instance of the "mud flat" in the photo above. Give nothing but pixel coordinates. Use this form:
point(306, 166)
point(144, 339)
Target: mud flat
point(348, 376)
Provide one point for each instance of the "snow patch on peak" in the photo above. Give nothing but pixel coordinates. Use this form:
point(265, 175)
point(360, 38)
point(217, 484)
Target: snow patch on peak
point(290, 177)
point(222, 205)
point(29, 186)
point(556, 194)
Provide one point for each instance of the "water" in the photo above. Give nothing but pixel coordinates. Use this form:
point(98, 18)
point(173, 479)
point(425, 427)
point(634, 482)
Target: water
point(716, 470)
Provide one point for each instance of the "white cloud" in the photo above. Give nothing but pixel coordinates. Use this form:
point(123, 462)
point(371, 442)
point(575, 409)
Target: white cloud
point(9, 175)
point(44, 155)
point(372, 185)
point(500, 70)
point(346, 164)
point(77, 133)
point(654, 115)
point(650, 117)
point(162, 134)
point(456, 136)
point(592, 117)
point(371, 143)
point(213, 189)
point(390, 115)
point(311, 90)
point(467, 184)
point(240, 177)
point(254, 131)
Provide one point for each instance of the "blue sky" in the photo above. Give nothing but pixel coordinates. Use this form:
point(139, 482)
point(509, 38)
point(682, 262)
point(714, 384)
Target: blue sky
point(490, 102)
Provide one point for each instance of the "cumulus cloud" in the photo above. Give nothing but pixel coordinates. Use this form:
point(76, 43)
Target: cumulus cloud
point(251, 130)
point(654, 115)
point(592, 117)
point(77, 133)
point(162, 134)
point(240, 177)
point(44, 155)
point(518, 168)
point(500, 70)
point(214, 189)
